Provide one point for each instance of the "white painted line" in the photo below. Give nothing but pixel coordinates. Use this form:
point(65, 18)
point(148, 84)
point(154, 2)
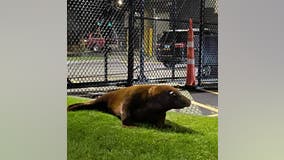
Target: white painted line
point(205, 90)
point(213, 115)
point(210, 108)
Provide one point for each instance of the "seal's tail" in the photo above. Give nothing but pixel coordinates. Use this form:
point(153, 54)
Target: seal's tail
point(98, 104)
point(80, 106)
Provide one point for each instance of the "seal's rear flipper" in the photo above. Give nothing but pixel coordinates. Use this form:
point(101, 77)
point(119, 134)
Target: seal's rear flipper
point(79, 106)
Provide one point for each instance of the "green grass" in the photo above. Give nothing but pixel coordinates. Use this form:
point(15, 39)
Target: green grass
point(93, 135)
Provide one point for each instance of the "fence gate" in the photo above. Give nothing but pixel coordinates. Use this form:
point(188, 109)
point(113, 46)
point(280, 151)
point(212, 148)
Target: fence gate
point(161, 28)
point(125, 42)
point(208, 55)
point(96, 43)
point(161, 38)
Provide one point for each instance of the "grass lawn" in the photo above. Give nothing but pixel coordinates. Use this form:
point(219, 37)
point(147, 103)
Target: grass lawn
point(93, 135)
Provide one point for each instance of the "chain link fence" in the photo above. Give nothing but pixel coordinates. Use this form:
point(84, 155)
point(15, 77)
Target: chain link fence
point(115, 43)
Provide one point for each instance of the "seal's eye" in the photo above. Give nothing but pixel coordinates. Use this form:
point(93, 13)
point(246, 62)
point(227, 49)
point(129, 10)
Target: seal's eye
point(172, 93)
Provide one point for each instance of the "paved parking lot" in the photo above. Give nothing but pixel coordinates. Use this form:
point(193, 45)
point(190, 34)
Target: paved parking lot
point(86, 70)
point(204, 102)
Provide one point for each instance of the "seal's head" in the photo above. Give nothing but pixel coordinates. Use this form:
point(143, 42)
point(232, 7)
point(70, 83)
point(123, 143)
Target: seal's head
point(169, 97)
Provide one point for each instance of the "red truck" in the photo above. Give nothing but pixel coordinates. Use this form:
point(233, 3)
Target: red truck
point(96, 42)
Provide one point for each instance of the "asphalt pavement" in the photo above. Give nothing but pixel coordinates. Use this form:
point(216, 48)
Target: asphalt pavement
point(207, 101)
point(205, 97)
point(204, 102)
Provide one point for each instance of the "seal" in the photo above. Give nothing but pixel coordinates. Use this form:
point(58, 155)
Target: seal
point(140, 103)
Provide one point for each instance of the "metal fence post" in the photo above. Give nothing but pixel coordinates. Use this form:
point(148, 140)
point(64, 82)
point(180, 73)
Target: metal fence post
point(131, 6)
point(174, 8)
point(155, 31)
point(106, 50)
point(201, 43)
point(142, 77)
point(106, 62)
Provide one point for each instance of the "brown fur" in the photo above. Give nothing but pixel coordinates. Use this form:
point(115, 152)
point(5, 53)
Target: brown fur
point(141, 103)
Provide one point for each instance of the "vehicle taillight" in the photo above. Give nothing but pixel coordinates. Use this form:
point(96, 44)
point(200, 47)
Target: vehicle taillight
point(179, 45)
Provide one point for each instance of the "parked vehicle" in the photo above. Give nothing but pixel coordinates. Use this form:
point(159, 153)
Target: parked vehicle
point(170, 53)
point(96, 41)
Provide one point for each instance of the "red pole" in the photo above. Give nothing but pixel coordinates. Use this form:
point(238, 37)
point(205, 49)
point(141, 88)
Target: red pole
point(190, 78)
